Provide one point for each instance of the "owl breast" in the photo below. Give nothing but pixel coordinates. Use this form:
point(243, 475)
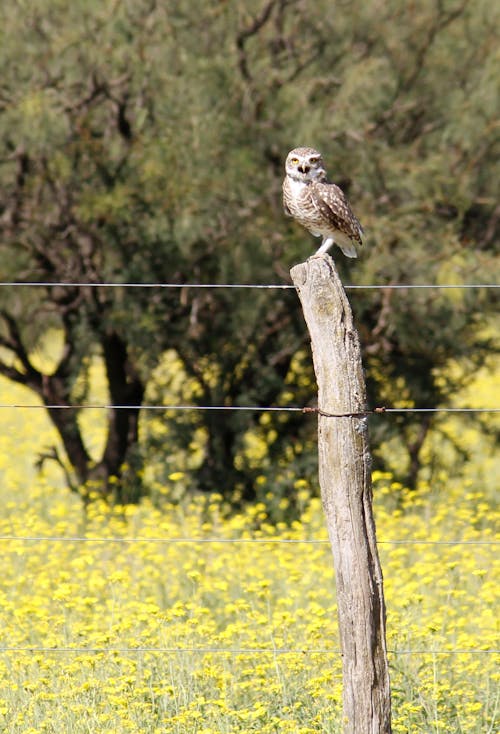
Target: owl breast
point(299, 201)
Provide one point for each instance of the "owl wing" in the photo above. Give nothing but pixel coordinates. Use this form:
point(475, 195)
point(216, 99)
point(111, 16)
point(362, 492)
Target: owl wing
point(285, 196)
point(329, 200)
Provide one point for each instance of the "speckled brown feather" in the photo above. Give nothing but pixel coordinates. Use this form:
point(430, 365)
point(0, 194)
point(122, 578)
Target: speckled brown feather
point(330, 201)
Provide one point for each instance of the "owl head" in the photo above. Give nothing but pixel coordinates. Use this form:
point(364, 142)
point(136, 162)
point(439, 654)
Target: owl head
point(305, 164)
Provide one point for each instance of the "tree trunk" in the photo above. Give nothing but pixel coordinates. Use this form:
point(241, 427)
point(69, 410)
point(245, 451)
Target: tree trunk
point(125, 388)
point(66, 422)
point(345, 480)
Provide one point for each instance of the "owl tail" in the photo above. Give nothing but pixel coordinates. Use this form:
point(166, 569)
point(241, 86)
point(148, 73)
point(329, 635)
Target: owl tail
point(347, 246)
point(348, 249)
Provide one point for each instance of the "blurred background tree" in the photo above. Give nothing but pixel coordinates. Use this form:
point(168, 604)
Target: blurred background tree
point(144, 142)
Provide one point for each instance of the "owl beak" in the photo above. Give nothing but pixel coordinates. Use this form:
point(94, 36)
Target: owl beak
point(303, 168)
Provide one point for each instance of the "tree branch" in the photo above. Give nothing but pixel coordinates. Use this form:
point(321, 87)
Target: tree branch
point(52, 454)
point(245, 33)
point(443, 20)
point(14, 343)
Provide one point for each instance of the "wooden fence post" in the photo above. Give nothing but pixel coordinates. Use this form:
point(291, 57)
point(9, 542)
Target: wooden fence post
point(345, 481)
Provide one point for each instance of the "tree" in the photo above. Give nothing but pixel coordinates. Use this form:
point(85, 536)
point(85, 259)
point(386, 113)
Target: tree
point(146, 144)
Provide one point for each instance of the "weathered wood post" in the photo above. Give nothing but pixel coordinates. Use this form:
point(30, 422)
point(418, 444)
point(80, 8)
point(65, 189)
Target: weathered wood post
point(345, 481)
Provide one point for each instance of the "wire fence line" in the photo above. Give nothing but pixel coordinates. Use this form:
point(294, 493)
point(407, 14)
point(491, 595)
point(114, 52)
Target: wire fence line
point(269, 286)
point(267, 541)
point(229, 651)
point(235, 541)
point(250, 408)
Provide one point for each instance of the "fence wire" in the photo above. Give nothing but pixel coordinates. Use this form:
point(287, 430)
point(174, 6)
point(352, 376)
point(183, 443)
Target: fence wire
point(226, 651)
point(269, 286)
point(249, 408)
point(234, 541)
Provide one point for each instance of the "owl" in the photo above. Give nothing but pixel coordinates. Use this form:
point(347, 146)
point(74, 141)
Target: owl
point(317, 204)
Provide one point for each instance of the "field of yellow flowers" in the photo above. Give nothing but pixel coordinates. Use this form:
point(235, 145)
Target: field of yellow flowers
point(185, 620)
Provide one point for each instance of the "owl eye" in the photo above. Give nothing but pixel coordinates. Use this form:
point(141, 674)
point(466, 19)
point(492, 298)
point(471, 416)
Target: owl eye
point(294, 161)
point(313, 160)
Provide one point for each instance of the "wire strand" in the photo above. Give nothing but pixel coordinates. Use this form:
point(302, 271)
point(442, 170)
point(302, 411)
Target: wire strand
point(251, 408)
point(229, 651)
point(50, 284)
point(270, 286)
point(235, 541)
point(254, 408)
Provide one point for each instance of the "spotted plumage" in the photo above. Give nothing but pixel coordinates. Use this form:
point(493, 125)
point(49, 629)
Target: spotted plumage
point(317, 204)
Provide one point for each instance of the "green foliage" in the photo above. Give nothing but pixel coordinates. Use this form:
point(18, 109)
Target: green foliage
point(145, 142)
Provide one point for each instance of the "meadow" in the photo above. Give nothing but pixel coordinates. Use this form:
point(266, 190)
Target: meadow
point(179, 617)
